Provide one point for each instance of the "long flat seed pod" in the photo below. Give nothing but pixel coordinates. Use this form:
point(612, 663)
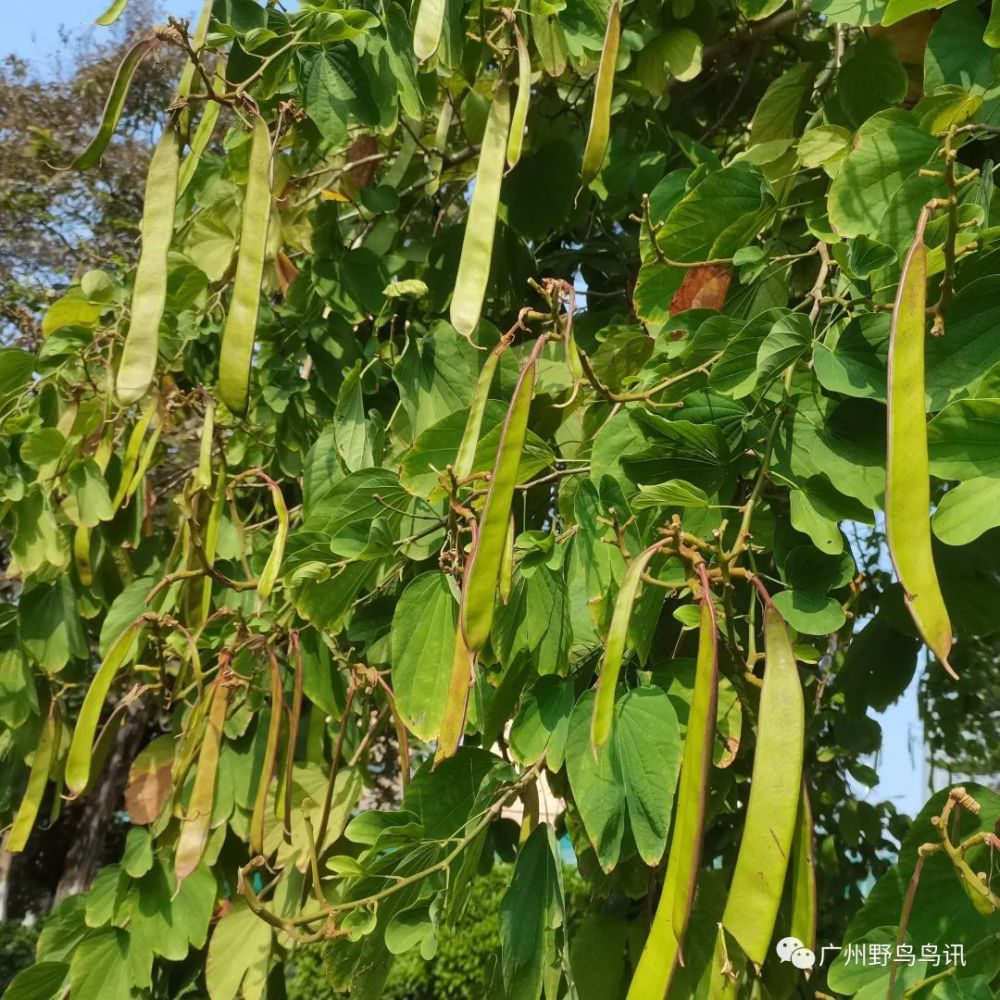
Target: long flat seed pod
point(600, 115)
point(666, 936)
point(483, 568)
point(453, 720)
point(199, 143)
point(91, 156)
point(241, 323)
point(270, 757)
point(435, 162)
point(294, 719)
point(38, 777)
point(149, 294)
point(78, 761)
point(907, 484)
point(269, 574)
point(197, 820)
point(614, 649)
point(427, 28)
point(477, 409)
point(803, 910)
point(775, 787)
point(506, 580)
point(130, 459)
point(477, 246)
point(198, 37)
point(114, 11)
point(520, 116)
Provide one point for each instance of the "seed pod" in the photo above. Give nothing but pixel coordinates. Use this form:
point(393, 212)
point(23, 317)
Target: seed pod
point(775, 787)
point(483, 568)
point(666, 936)
point(199, 142)
point(240, 330)
point(507, 563)
point(802, 924)
point(38, 777)
point(81, 555)
point(294, 718)
point(600, 116)
point(907, 486)
point(427, 28)
point(149, 294)
point(130, 459)
point(520, 115)
point(112, 14)
point(270, 757)
point(269, 574)
point(477, 246)
point(435, 162)
point(477, 409)
point(197, 820)
point(453, 720)
point(614, 649)
point(78, 761)
point(91, 156)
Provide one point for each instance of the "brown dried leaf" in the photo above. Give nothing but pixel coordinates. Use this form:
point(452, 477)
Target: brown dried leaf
point(149, 785)
point(703, 287)
point(362, 148)
point(285, 270)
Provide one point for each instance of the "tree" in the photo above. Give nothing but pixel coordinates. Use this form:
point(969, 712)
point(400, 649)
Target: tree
point(523, 384)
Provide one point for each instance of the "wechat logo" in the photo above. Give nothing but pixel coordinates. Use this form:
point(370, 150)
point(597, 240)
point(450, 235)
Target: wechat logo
point(791, 949)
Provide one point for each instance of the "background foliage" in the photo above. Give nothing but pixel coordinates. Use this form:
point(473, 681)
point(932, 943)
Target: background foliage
point(734, 263)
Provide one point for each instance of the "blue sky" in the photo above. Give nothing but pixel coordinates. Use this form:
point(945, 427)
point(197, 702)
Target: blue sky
point(32, 32)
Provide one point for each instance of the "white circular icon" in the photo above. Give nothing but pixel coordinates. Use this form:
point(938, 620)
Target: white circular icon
point(791, 949)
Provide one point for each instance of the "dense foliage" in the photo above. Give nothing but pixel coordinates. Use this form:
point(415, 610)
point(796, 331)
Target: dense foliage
point(509, 402)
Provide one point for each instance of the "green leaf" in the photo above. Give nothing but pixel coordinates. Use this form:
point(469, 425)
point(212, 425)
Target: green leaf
point(99, 969)
point(596, 781)
point(963, 440)
point(138, 857)
point(682, 52)
point(787, 340)
point(897, 10)
point(872, 78)
point(41, 981)
point(90, 493)
point(809, 612)
point(423, 641)
point(530, 908)
point(822, 144)
point(535, 621)
point(968, 510)
point(409, 928)
point(958, 361)
point(50, 625)
point(721, 214)
point(888, 149)
point(241, 941)
point(16, 367)
point(541, 725)
point(672, 493)
point(43, 447)
point(855, 362)
point(648, 741)
point(349, 429)
point(781, 110)
point(444, 797)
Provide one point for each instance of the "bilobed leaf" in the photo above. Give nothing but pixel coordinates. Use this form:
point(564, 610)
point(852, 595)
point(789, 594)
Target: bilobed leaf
point(239, 942)
point(647, 737)
point(423, 639)
point(530, 908)
point(672, 493)
point(595, 779)
point(967, 510)
point(541, 725)
point(41, 981)
point(723, 213)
